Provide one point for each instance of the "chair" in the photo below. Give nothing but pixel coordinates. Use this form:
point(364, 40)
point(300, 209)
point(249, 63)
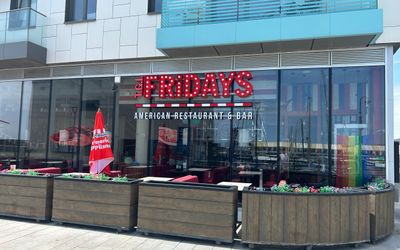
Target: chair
point(187, 178)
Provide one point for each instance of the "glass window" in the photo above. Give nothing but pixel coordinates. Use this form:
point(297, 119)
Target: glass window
point(97, 93)
point(64, 124)
point(304, 126)
point(10, 105)
point(80, 10)
point(358, 125)
point(154, 6)
point(254, 141)
point(34, 124)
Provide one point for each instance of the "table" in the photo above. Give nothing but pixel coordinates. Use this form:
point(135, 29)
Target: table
point(240, 185)
point(154, 178)
point(204, 174)
point(252, 173)
point(136, 171)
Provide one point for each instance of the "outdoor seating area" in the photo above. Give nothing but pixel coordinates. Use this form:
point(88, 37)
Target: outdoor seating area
point(183, 207)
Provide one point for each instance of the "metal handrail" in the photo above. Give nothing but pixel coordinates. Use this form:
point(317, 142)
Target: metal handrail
point(189, 12)
point(15, 10)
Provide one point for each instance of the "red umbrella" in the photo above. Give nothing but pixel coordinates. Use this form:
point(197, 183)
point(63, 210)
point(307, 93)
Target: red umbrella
point(101, 154)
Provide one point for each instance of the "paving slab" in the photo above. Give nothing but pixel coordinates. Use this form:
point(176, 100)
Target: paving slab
point(21, 234)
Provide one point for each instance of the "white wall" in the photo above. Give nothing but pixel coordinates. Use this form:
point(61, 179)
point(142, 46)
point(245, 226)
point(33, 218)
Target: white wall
point(4, 5)
point(391, 21)
point(122, 30)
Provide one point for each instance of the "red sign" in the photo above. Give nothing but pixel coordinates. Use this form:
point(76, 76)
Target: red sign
point(191, 85)
point(168, 136)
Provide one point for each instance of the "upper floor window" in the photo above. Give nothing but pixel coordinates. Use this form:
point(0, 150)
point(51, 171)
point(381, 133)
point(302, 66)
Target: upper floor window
point(20, 4)
point(80, 10)
point(154, 6)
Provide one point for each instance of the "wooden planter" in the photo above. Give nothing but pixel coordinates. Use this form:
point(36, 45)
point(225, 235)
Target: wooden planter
point(382, 213)
point(305, 219)
point(200, 211)
point(95, 203)
point(26, 196)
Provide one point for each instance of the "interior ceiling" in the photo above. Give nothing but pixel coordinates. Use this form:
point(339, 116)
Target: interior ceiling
point(273, 47)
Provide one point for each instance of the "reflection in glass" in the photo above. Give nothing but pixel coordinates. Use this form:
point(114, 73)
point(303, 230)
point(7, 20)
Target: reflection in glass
point(304, 126)
point(254, 141)
point(10, 104)
point(97, 93)
point(64, 123)
point(34, 124)
point(358, 125)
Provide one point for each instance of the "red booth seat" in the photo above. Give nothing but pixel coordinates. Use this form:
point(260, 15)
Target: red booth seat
point(49, 170)
point(187, 178)
point(115, 173)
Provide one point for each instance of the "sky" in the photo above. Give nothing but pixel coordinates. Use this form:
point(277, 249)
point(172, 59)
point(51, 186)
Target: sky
point(396, 95)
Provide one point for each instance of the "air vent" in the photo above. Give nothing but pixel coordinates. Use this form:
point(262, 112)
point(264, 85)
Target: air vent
point(67, 71)
point(211, 64)
point(305, 59)
point(171, 66)
point(99, 69)
point(11, 74)
point(366, 56)
point(37, 73)
point(259, 61)
point(133, 68)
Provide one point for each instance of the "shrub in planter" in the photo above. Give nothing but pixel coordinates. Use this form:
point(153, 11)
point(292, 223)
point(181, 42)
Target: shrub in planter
point(26, 194)
point(96, 200)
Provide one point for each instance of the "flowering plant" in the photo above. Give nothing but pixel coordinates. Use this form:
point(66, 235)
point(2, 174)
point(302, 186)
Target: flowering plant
point(377, 184)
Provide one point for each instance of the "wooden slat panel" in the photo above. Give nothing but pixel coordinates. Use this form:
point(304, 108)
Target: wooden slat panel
point(22, 201)
point(253, 218)
point(185, 229)
point(277, 219)
point(39, 192)
point(186, 205)
point(266, 226)
point(334, 225)
point(345, 218)
point(84, 206)
point(201, 218)
point(186, 193)
point(91, 218)
point(98, 197)
point(91, 186)
point(313, 219)
point(289, 218)
point(324, 206)
point(245, 211)
point(301, 219)
point(27, 211)
point(354, 232)
point(24, 181)
point(363, 217)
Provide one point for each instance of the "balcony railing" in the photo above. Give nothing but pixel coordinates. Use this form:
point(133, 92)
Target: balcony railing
point(192, 12)
point(21, 25)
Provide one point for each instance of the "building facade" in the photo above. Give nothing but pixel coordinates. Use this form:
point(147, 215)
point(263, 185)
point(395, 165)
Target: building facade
point(300, 89)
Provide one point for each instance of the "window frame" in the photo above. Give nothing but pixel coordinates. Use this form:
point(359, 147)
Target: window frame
point(152, 7)
point(70, 6)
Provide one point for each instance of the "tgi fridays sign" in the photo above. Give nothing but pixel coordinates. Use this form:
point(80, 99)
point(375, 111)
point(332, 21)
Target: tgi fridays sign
point(188, 86)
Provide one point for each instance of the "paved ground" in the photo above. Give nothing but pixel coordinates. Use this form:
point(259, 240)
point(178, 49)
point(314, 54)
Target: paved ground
point(22, 234)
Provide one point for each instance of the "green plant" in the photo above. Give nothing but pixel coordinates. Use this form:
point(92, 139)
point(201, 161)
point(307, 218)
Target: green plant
point(102, 177)
point(68, 176)
point(16, 171)
point(377, 184)
point(120, 179)
point(88, 177)
point(327, 189)
point(32, 173)
point(302, 190)
point(282, 188)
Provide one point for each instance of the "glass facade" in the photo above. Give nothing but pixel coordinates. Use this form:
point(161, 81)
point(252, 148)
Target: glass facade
point(308, 126)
